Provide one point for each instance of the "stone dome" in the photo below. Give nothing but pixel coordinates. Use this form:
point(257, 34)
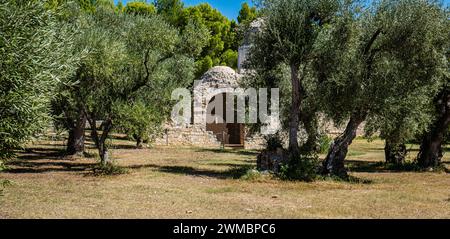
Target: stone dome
point(220, 77)
point(217, 80)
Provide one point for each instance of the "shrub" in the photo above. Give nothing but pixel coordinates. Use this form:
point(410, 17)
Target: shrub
point(273, 142)
point(108, 170)
point(251, 174)
point(3, 184)
point(324, 143)
point(302, 168)
point(2, 166)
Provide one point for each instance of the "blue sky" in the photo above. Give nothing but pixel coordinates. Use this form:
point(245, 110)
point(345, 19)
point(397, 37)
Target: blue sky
point(229, 8)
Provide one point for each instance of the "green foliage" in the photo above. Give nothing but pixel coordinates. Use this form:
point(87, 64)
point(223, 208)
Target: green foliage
point(132, 64)
point(87, 5)
point(101, 65)
point(411, 115)
point(385, 67)
point(252, 175)
point(4, 183)
point(273, 142)
point(324, 143)
point(36, 52)
point(171, 10)
point(138, 120)
point(195, 37)
point(247, 14)
point(3, 166)
point(120, 7)
point(222, 41)
point(290, 30)
point(140, 8)
point(302, 168)
point(109, 169)
point(203, 65)
point(229, 58)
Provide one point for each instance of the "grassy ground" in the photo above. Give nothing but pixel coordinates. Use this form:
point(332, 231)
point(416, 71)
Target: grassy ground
point(169, 182)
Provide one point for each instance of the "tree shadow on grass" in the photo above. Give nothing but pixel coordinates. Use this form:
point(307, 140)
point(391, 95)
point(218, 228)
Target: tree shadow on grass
point(123, 146)
point(54, 144)
point(235, 172)
point(383, 167)
point(244, 163)
point(232, 151)
point(24, 167)
point(41, 153)
point(43, 160)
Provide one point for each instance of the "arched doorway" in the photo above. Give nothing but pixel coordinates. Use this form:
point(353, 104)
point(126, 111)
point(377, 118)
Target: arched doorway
point(229, 134)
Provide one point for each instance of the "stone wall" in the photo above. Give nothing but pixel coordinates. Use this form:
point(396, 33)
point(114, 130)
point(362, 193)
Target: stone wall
point(187, 136)
point(193, 135)
point(198, 137)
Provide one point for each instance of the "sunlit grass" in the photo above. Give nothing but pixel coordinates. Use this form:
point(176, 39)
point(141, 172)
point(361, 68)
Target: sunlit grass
point(186, 182)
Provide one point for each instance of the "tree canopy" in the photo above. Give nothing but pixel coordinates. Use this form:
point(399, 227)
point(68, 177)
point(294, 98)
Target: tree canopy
point(132, 64)
point(386, 73)
point(36, 54)
point(247, 13)
point(140, 8)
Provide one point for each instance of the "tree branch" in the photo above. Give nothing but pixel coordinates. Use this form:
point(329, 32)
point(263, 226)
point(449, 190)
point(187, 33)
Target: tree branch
point(106, 129)
point(141, 83)
point(372, 41)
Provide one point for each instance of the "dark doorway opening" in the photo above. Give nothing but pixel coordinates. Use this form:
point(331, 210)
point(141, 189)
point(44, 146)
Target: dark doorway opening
point(229, 134)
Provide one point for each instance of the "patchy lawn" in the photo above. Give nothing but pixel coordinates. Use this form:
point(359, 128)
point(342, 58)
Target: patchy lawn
point(177, 182)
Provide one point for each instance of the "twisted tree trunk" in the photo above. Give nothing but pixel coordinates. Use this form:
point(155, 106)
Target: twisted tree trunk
point(75, 143)
point(103, 152)
point(139, 142)
point(100, 140)
point(102, 147)
point(334, 162)
point(395, 153)
point(431, 153)
point(294, 118)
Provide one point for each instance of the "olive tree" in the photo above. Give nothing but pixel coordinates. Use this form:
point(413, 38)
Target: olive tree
point(403, 120)
point(131, 59)
point(139, 121)
point(67, 112)
point(291, 29)
point(431, 153)
point(390, 61)
point(36, 53)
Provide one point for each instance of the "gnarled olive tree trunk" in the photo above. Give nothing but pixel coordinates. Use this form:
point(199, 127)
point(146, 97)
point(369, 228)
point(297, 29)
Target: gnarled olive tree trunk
point(102, 147)
point(395, 153)
point(139, 142)
point(103, 152)
point(431, 153)
point(100, 139)
point(334, 162)
point(75, 143)
point(294, 118)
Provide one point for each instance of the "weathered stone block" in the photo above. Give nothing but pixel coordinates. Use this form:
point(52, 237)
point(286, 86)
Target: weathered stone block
point(271, 160)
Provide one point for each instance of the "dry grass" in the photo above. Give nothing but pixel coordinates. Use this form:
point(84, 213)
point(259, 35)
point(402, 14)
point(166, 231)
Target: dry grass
point(169, 182)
